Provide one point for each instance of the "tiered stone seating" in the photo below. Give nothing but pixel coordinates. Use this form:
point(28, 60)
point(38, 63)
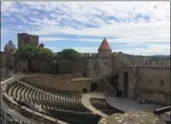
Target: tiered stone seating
point(63, 105)
point(103, 106)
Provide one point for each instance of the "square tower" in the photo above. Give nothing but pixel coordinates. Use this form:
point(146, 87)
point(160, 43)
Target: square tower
point(24, 38)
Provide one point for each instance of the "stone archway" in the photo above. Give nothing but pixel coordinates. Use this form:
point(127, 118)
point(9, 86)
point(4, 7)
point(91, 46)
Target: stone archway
point(94, 87)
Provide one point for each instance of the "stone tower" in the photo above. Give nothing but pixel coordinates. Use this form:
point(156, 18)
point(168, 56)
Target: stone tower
point(8, 59)
point(10, 47)
point(24, 38)
point(104, 49)
point(101, 64)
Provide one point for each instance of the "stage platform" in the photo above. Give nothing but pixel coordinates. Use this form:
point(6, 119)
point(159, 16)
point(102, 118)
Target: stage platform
point(127, 104)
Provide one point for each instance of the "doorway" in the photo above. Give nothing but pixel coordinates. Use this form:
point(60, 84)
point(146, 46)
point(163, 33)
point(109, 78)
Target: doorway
point(115, 84)
point(10, 67)
point(84, 90)
point(126, 84)
point(114, 81)
point(94, 87)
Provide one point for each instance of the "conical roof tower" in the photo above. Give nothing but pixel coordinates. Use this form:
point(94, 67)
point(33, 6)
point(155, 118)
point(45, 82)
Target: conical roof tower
point(104, 49)
point(104, 46)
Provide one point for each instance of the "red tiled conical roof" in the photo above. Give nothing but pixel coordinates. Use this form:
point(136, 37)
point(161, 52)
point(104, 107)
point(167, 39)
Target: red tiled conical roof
point(104, 46)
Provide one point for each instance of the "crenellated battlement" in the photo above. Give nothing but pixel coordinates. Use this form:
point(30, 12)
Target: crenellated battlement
point(88, 54)
point(144, 61)
point(133, 60)
point(85, 54)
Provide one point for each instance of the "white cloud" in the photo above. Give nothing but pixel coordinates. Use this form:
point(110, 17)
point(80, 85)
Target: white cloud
point(47, 39)
point(86, 49)
point(150, 50)
point(5, 6)
point(151, 32)
point(136, 30)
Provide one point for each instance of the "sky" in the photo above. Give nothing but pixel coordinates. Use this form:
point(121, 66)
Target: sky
point(139, 28)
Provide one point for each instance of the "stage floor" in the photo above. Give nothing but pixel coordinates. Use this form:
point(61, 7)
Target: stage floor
point(127, 104)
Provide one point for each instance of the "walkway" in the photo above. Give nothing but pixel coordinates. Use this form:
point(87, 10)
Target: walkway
point(86, 102)
point(126, 104)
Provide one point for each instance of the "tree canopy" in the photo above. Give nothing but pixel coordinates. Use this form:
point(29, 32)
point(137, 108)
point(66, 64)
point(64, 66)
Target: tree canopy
point(67, 54)
point(32, 52)
point(45, 53)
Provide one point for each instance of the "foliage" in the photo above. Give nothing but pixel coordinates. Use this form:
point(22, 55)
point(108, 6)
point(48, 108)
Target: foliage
point(27, 51)
point(45, 53)
point(69, 54)
point(33, 52)
point(57, 56)
point(38, 53)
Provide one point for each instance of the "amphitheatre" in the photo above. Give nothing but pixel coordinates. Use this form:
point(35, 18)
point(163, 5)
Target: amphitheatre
point(99, 88)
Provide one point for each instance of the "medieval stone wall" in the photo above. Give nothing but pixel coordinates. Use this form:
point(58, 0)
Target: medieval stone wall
point(7, 60)
point(22, 66)
point(3, 60)
point(85, 83)
point(154, 84)
point(99, 66)
point(72, 66)
point(140, 61)
point(60, 82)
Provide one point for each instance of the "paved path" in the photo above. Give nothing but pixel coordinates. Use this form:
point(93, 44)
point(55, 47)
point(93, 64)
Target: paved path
point(126, 104)
point(86, 102)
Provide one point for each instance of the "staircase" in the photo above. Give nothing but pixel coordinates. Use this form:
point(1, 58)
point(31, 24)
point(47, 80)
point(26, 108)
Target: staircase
point(108, 83)
point(109, 89)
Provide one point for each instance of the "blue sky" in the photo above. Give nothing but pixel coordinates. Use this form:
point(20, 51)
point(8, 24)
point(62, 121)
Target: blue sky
point(140, 28)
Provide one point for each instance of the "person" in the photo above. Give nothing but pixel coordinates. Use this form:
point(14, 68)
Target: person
point(117, 90)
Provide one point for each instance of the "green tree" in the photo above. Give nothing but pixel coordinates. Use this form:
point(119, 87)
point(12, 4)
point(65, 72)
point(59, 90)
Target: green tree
point(57, 56)
point(69, 54)
point(27, 52)
point(32, 52)
point(44, 54)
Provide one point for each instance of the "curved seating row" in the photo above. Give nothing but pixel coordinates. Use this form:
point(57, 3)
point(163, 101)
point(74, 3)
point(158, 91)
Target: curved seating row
point(63, 105)
point(103, 106)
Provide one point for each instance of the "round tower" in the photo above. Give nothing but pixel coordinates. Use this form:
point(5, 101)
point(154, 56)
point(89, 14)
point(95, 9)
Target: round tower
point(104, 49)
